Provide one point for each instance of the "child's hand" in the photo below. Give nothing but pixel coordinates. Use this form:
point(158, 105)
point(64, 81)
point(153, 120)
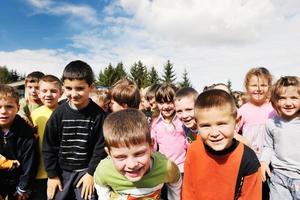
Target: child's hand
point(21, 196)
point(52, 185)
point(265, 169)
point(15, 164)
point(87, 190)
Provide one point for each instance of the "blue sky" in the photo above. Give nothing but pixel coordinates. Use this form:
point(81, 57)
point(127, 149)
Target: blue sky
point(214, 40)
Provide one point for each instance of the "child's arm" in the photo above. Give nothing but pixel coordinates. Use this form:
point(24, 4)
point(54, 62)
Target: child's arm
point(29, 165)
point(241, 139)
point(175, 181)
point(267, 152)
point(102, 189)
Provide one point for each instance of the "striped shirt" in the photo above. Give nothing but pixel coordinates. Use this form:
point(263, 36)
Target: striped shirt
point(73, 139)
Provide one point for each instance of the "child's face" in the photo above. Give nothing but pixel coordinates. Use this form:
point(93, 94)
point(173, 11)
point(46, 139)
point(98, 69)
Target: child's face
point(289, 102)
point(166, 109)
point(77, 92)
point(115, 106)
point(144, 105)
point(32, 91)
point(49, 94)
point(216, 126)
point(152, 104)
point(133, 162)
point(258, 89)
point(185, 111)
point(8, 111)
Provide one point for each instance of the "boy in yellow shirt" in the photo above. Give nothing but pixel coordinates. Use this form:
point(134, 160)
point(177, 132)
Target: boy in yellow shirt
point(50, 92)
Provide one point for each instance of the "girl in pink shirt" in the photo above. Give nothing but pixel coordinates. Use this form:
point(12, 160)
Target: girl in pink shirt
point(254, 114)
point(166, 130)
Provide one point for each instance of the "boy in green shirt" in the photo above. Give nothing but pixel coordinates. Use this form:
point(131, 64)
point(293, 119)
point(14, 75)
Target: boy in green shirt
point(132, 170)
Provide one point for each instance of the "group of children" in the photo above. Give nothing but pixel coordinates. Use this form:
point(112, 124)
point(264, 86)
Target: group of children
point(163, 143)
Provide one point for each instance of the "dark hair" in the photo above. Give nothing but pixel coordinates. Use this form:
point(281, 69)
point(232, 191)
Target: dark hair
point(78, 70)
point(215, 98)
point(151, 91)
point(126, 128)
point(165, 93)
point(33, 77)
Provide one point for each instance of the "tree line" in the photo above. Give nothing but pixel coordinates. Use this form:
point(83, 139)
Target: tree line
point(138, 72)
point(141, 74)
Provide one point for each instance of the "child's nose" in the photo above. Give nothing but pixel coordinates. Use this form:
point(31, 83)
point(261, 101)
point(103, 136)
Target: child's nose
point(132, 163)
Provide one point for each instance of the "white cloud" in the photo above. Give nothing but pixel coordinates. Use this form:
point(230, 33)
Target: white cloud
point(215, 40)
point(77, 12)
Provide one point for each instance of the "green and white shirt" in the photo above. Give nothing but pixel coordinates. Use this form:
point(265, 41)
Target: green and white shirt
point(111, 185)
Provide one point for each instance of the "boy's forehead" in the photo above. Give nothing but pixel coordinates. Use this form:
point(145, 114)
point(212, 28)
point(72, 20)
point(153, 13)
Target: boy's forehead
point(8, 98)
point(49, 84)
point(75, 82)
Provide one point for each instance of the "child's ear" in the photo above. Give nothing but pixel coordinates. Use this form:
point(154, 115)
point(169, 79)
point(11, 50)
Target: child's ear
point(107, 150)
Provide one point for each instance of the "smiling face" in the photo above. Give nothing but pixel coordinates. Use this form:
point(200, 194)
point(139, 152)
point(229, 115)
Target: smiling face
point(167, 109)
point(8, 111)
point(258, 89)
point(185, 111)
point(49, 94)
point(32, 91)
point(216, 126)
point(77, 92)
point(133, 162)
point(288, 104)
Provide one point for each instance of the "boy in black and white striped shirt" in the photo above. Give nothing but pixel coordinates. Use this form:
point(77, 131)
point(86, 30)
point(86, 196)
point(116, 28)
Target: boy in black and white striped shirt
point(73, 142)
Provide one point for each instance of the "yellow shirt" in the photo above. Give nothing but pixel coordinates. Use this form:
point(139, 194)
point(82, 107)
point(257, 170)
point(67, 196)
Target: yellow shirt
point(40, 117)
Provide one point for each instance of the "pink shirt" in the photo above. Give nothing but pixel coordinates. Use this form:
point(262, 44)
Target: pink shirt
point(253, 123)
point(170, 139)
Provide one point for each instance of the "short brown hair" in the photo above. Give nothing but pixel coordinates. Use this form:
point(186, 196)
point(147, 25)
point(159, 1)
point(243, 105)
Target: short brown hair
point(33, 77)
point(126, 92)
point(52, 79)
point(126, 128)
point(284, 81)
point(259, 72)
point(186, 92)
point(8, 91)
point(165, 93)
point(215, 98)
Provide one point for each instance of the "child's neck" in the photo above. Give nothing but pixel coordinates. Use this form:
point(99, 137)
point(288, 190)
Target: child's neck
point(33, 101)
point(259, 104)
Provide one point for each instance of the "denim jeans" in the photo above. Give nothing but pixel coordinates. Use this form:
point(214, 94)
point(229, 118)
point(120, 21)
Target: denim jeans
point(283, 187)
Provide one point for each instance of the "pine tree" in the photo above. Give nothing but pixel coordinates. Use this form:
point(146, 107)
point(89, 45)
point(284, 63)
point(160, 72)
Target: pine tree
point(110, 75)
point(185, 80)
point(229, 85)
point(153, 76)
point(169, 73)
point(139, 73)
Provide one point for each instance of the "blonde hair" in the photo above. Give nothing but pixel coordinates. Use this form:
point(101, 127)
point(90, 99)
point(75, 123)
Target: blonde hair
point(8, 91)
point(258, 72)
point(277, 88)
point(126, 128)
